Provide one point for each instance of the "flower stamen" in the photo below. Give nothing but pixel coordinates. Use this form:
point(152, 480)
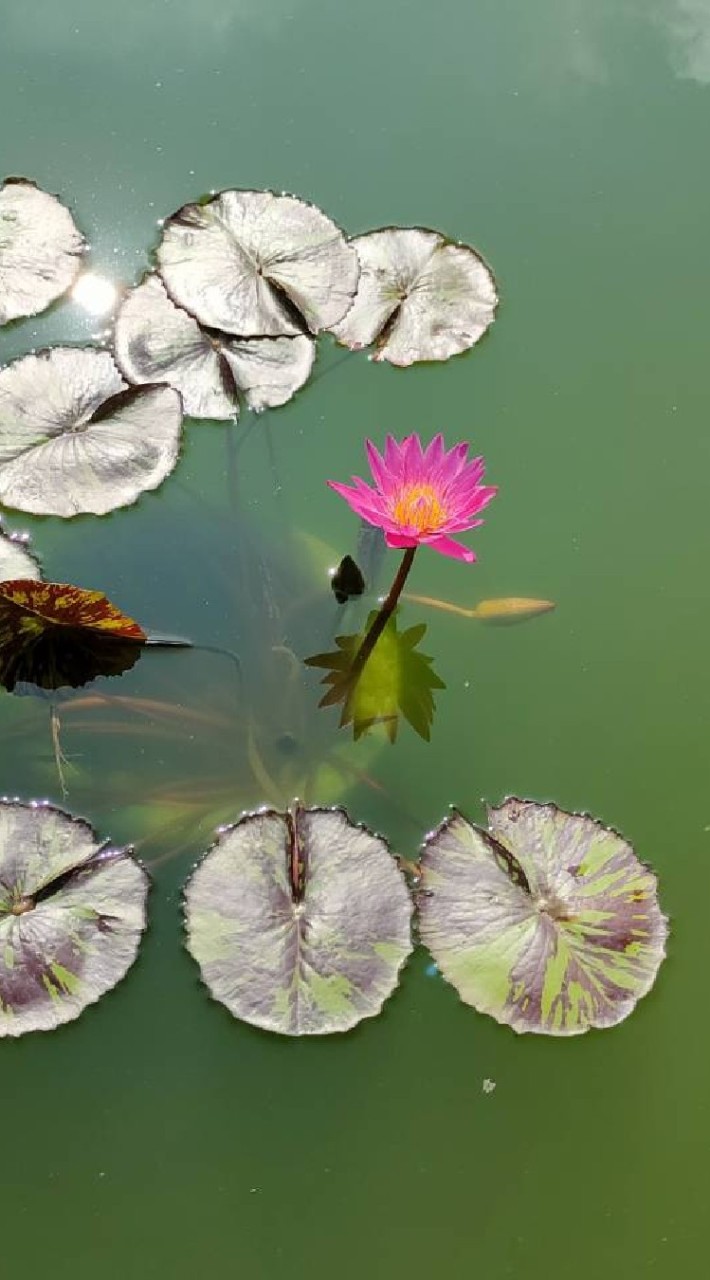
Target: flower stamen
point(419, 506)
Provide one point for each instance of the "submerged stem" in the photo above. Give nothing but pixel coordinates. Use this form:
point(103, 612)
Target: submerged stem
point(59, 757)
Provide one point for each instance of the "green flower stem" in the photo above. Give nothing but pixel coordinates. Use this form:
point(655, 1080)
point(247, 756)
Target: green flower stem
point(384, 615)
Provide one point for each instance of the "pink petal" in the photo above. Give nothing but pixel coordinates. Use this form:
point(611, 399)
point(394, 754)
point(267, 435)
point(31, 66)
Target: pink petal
point(394, 526)
point(366, 506)
point(469, 475)
point(456, 459)
point(366, 490)
point(448, 547)
point(448, 470)
point(373, 512)
point(458, 526)
point(400, 540)
point(413, 458)
point(471, 504)
point(393, 456)
point(343, 489)
point(434, 454)
point(380, 474)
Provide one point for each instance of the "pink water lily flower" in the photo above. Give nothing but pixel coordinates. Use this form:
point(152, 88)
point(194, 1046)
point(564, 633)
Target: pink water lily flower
point(421, 495)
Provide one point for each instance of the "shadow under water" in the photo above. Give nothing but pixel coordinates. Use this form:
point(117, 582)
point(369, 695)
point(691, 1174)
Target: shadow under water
point(188, 739)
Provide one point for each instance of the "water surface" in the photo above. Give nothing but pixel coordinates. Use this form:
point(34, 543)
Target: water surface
point(156, 1136)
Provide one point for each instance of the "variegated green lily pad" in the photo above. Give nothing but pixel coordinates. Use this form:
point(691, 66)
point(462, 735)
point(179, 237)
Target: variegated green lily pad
point(74, 438)
point(547, 921)
point(72, 912)
point(41, 250)
point(420, 297)
point(15, 560)
point(300, 922)
point(258, 264)
point(157, 341)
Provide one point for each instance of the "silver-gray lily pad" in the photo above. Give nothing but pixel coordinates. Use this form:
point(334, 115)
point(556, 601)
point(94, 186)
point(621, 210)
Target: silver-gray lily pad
point(300, 922)
point(420, 297)
point(41, 250)
point(72, 912)
point(157, 341)
point(16, 561)
point(547, 921)
point(74, 438)
point(258, 265)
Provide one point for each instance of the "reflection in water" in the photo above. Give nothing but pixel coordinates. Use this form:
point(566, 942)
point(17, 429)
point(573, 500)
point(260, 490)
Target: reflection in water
point(79, 26)
point(394, 680)
point(687, 23)
point(588, 36)
point(187, 740)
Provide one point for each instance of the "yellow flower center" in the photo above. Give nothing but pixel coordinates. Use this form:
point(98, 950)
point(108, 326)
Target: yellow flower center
point(418, 506)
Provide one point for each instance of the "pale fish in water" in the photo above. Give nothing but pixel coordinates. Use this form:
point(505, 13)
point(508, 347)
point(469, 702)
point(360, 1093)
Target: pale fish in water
point(503, 610)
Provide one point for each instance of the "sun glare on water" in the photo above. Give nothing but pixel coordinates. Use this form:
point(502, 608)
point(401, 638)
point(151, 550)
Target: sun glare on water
point(95, 293)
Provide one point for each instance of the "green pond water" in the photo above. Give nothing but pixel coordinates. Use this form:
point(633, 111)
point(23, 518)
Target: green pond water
point(156, 1136)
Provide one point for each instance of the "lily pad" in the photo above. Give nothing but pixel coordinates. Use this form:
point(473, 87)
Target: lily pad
point(41, 250)
point(420, 297)
point(54, 634)
point(74, 438)
point(258, 264)
point(15, 559)
point(157, 341)
point(547, 921)
point(72, 912)
point(300, 922)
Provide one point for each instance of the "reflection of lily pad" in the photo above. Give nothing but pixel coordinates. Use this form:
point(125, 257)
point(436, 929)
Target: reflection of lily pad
point(54, 634)
point(74, 439)
point(420, 297)
point(156, 341)
point(397, 679)
point(257, 264)
point(15, 559)
point(300, 922)
point(547, 921)
point(40, 249)
point(71, 917)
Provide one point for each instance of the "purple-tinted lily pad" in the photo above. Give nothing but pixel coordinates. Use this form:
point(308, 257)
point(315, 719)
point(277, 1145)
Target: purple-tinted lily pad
point(74, 438)
point(258, 265)
point(41, 250)
point(72, 912)
point(157, 341)
point(420, 297)
point(547, 921)
point(300, 922)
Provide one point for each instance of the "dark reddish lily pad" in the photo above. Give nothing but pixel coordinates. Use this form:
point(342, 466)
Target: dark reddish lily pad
point(54, 634)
